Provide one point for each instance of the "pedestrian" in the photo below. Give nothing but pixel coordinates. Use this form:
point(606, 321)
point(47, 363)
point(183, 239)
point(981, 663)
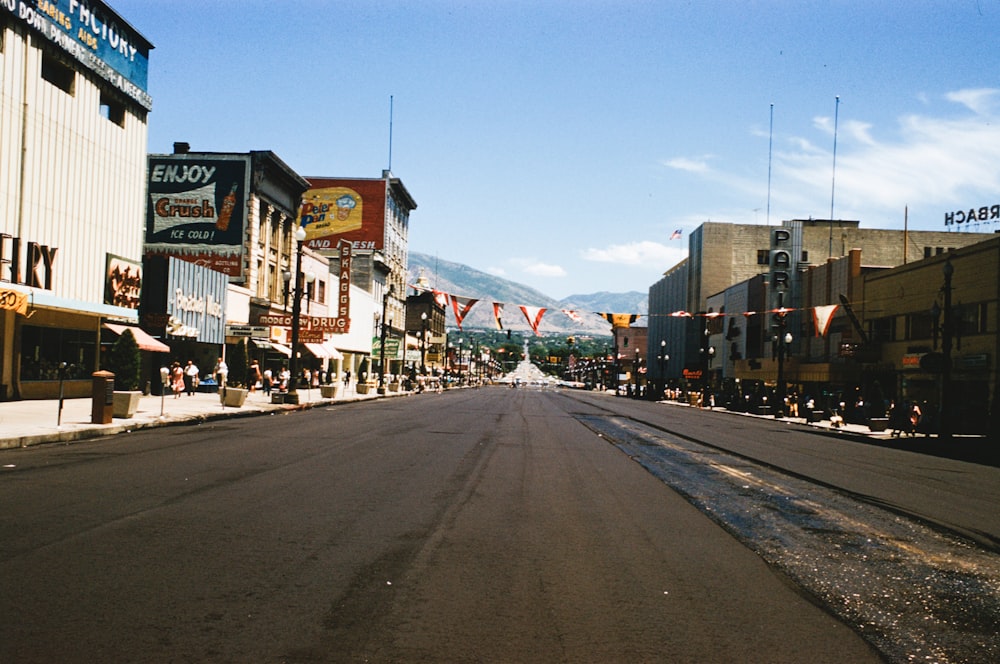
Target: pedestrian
point(253, 376)
point(221, 372)
point(267, 381)
point(898, 420)
point(177, 379)
point(915, 415)
point(190, 377)
point(283, 378)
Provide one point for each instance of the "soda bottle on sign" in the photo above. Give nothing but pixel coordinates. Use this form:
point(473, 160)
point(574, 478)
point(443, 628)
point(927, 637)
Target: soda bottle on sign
point(228, 203)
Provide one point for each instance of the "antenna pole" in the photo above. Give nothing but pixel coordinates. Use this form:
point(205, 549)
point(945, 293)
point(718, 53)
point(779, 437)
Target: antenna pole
point(770, 143)
point(390, 133)
point(833, 179)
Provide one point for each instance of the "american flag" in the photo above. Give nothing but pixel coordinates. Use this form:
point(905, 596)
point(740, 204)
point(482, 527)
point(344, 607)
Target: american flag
point(676, 235)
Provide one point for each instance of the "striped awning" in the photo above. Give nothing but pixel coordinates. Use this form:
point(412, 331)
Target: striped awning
point(142, 338)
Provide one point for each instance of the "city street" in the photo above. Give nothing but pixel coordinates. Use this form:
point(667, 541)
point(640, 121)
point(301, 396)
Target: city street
point(492, 524)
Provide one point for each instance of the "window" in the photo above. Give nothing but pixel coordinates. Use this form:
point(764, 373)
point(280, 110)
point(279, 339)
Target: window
point(322, 291)
point(44, 348)
point(919, 326)
point(58, 74)
point(112, 109)
point(883, 330)
point(763, 257)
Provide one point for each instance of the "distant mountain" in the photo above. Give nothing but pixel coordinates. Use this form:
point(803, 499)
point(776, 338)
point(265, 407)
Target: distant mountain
point(462, 280)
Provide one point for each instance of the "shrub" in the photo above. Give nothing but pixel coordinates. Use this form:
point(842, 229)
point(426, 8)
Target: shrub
point(125, 362)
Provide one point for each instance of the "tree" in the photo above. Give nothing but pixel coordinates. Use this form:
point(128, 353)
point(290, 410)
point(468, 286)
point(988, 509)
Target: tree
point(125, 362)
point(236, 360)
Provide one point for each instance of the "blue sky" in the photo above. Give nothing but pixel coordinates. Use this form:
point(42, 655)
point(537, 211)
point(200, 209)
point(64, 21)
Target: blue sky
point(559, 143)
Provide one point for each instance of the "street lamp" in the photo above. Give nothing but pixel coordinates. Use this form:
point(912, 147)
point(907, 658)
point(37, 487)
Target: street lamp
point(783, 344)
point(635, 370)
point(385, 330)
point(944, 425)
point(293, 395)
point(423, 343)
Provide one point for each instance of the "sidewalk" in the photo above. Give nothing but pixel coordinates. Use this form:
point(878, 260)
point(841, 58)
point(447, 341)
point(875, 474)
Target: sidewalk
point(33, 422)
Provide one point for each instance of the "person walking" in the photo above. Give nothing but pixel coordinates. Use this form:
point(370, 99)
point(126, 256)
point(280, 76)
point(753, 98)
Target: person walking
point(267, 381)
point(221, 372)
point(253, 376)
point(177, 379)
point(190, 377)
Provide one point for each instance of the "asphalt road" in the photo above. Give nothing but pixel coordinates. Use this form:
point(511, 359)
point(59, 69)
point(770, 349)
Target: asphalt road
point(483, 525)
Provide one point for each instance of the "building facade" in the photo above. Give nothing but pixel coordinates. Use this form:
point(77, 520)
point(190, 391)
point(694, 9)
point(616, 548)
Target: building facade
point(73, 136)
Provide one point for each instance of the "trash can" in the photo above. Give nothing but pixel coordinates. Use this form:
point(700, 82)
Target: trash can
point(102, 395)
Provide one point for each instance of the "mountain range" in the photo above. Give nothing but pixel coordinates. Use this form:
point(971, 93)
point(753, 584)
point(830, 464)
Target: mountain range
point(464, 281)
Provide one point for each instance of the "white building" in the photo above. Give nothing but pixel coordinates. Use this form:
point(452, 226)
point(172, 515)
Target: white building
point(73, 110)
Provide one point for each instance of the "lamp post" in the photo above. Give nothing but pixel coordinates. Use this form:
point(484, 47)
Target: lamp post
point(944, 425)
point(783, 341)
point(385, 330)
point(663, 358)
point(635, 370)
point(293, 395)
point(423, 343)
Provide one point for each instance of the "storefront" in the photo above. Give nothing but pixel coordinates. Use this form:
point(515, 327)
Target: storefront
point(184, 304)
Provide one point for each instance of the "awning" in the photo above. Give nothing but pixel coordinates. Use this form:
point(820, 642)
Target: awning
point(334, 353)
point(270, 345)
point(319, 350)
point(143, 339)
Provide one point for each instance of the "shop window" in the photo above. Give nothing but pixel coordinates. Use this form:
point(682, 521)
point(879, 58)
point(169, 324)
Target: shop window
point(112, 109)
point(58, 74)
point(883, 330)
point(919, 326)
point(44, 348)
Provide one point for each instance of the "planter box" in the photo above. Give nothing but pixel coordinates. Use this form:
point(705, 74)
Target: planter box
point(878, 423)
point(277, 397)
point(125, 404)
point(364, 388)
point(328, 391)
point(234, 397)
point(393, 387)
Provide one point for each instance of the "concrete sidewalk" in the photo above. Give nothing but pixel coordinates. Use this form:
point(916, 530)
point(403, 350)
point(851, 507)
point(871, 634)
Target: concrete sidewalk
point(33, 422)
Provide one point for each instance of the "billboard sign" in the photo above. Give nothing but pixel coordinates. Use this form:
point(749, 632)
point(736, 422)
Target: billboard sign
point(335, 210)
point(91, 33)
point(196, 302)
point(197, 209)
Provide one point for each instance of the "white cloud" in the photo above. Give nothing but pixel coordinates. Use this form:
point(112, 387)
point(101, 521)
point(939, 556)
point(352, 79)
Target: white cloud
point(980, 100)
point(537, 268)
point(929, 163)
point(687, 164)
point(643, 253)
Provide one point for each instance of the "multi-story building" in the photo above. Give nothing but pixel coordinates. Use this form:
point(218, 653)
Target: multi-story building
point(73, 136)
point(373, 217)
point(723, 255)
point(936, 323)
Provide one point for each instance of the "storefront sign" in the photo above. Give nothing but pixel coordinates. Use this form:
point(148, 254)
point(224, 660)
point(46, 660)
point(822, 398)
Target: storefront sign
point(11, 300)
point(93, 35)
point(30, 264)
point(344, 290)
point(972, 215)
point(259, 331)
point(315, 323)
point(196, 302)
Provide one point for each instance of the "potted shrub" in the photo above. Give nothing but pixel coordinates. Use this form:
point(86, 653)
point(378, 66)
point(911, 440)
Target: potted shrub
point(235, 392)
point(125, 363)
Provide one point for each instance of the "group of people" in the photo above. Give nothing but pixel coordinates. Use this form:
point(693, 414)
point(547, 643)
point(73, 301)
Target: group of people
point(183, 379)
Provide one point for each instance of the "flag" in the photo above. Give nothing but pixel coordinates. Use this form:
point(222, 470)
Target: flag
point(461, 306)
point(822, 317)
point(676, 235)
point(498, 314)
point(575, 317)
point(534, 316)
point(441, 298)
point(619, 320)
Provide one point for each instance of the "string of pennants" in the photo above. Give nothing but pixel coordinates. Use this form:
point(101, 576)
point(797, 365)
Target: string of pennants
point(460, 307)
